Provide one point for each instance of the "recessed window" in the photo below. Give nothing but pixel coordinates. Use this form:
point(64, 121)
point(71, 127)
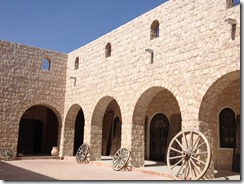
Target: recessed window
point(227, 128)
point(46, 64)
point(108, 49)
point(232, 3)
point(154, 30)
point(77, 63)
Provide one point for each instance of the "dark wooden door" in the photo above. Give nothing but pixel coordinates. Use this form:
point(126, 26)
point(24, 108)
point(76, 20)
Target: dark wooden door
point(79, 131)
point(159, 131)
point(38, 128)
point(106, 134)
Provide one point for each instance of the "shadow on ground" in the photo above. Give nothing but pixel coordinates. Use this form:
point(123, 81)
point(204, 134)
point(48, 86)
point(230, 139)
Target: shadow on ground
point(9, 172)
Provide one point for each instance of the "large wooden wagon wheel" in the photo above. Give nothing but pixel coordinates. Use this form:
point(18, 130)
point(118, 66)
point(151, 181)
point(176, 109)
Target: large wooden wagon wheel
point(7, 154)
point(82, 153)
point(188, 155)
point(121, 159)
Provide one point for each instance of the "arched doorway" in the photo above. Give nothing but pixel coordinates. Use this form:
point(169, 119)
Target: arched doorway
point(227, 128)
point(111, 135)
point(159, 131)
point(103, 116)
point(153, 100)
point(220, 107)
point(79, 131)
point(38, 131)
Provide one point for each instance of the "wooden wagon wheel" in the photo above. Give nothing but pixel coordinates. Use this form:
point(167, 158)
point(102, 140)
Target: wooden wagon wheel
point(7, 154)
point(188, 155)
point(82, 152)
point(121, 158)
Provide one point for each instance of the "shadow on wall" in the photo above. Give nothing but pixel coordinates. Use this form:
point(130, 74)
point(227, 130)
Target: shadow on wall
point(9, 172)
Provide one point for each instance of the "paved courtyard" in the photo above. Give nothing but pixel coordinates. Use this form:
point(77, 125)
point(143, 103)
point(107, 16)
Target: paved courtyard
point(68, 169)
point(51, 169)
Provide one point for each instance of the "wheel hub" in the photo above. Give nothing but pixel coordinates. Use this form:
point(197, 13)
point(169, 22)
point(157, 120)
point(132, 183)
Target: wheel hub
point(187, 155)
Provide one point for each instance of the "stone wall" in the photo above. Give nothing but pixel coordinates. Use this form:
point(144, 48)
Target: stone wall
point(195, 48)
point(24, 84)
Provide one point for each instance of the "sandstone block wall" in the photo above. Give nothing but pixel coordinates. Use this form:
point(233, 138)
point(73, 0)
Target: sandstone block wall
point(194, 50)
point(24, 84)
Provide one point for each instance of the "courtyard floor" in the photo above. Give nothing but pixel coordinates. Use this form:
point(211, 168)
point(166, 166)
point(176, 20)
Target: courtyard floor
point(68, 169)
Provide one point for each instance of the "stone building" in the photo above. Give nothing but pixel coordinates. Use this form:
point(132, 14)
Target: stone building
point(172, 68)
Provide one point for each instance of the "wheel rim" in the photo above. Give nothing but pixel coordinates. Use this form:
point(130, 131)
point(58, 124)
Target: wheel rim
point(82, 153)
point(121, 158)
point(7, 154)
point(188, 155)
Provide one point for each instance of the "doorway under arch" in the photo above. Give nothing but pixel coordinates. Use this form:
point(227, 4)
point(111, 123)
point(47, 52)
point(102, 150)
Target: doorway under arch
point(38, 131)
point(159, 131)
point(79, 131)
point(111, 134)
point(220, 109)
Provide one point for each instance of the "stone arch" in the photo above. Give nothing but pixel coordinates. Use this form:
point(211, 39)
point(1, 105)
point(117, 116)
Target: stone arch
point(224, 91)
point(74, 117)
point(104, 113)
point(153, 100)
point(20, 110)
point(39, 130)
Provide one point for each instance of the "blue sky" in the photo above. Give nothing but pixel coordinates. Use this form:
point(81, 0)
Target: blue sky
point(65, 25)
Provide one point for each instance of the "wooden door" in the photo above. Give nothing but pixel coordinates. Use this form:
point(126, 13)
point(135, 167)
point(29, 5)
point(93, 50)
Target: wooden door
point(159, 130)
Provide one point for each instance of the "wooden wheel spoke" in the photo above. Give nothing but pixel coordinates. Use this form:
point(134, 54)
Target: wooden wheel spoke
point(175, 157)
point(180, 144)
point(185, 171)
point(182, 165)
point(196, 142)
point(198, 160)
point(198, 147)
point(189, 163)
point(176, 150)
point(184, 135)
point(177, 163)
point(117, 163)
point(195, 166)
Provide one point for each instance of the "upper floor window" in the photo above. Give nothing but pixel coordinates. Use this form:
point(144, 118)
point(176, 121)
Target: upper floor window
point(232, 3)
point(108, 49)
point(154, 30)
point(77, 63)
point(227, 128)
point(46, 64)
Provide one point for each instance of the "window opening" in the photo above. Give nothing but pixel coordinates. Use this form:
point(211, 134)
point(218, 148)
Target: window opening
point(46, 65)
point(154, 30)
point(232, 3)
point(76, 63)
point(235, 2)
point(108, 50)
